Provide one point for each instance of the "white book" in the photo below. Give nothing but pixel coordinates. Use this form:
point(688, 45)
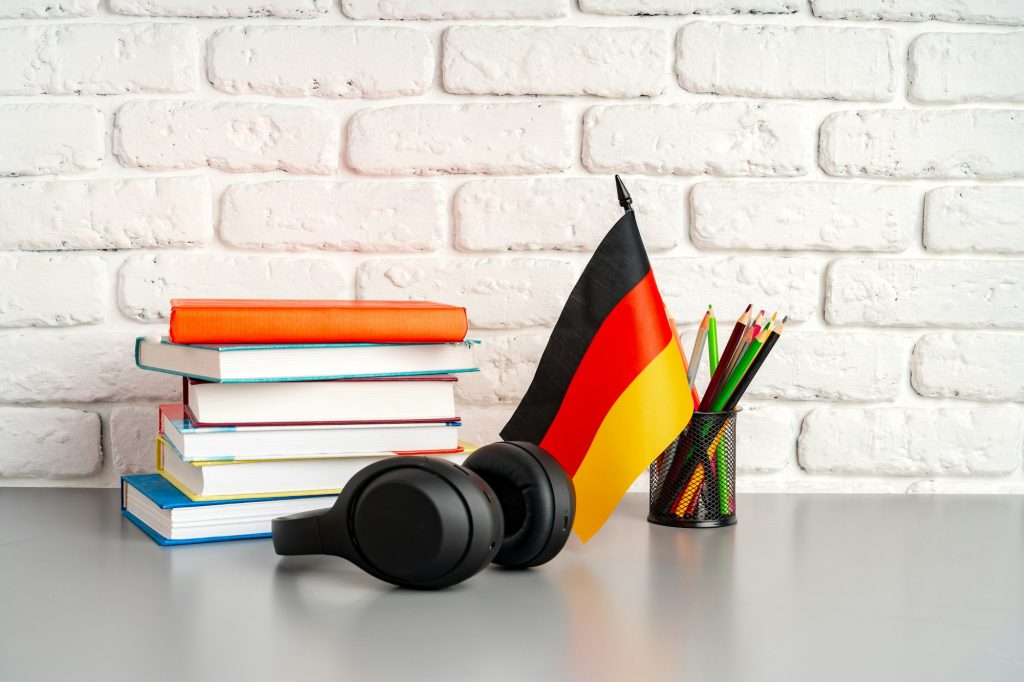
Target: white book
point(255, 478)
point(427, 398)
point(242, 443)
point(302, 362)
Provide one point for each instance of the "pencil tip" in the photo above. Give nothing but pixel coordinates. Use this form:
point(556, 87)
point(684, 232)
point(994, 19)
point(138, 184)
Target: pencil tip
point(785, 318)
point(625, 201)
point(749, 306)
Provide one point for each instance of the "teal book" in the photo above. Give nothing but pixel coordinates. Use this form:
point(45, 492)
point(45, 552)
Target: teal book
point(302, 362)
point(168, 517)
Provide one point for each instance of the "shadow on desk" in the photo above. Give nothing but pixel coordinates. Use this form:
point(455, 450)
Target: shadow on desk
point(383, 632)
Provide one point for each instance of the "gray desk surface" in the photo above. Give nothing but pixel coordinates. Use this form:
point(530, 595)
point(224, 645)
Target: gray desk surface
point(806, 587)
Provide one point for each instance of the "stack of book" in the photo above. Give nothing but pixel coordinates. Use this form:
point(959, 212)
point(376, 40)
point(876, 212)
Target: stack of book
point(284, 401)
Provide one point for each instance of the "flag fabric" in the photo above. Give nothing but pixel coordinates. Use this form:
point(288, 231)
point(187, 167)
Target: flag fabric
point(610, 391)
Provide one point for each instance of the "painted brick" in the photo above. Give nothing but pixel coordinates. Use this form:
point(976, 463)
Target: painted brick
point(83, 367)
point(507, 364)
point(817, 216)
point(555, 60)
point(237, 9)
point(790, 285)
point(45, 9)
point(48, 442)
point(345, 216)
point(44, 139)
point(962, 219)
point(133, 438)
point(999, 486)
point(765, 439)
point(453, 9)
point(648, 7)
point(428, 139)
point(950, 143)
point(98, 59)
point(973, 12)
point(105, 214)
point(162, 135)
point(969, 366)
point(966, 67)
point(52, 291)
point(801, 62)
point(863, 366)
point(147, 283)
point(326, 61)
point(483, 425)
point(498, 293)
point(570, 214)
point(902, 442)
point(925, 293)
point(694, 139)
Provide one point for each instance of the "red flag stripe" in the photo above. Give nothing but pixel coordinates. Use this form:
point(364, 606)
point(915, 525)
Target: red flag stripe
point(632, 335)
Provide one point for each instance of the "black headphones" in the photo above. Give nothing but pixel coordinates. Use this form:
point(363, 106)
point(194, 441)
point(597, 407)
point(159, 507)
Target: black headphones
point(426, 523)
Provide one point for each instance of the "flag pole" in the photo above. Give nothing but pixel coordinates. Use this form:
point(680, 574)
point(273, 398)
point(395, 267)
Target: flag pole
point(625, 201)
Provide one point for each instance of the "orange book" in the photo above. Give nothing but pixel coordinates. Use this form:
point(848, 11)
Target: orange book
point(257, 321)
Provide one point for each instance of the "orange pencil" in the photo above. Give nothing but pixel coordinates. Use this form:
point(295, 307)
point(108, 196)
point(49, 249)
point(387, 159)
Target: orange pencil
point(693, 389)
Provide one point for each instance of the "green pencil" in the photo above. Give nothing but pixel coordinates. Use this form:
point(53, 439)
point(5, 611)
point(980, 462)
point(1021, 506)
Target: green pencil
point(712, 339)
point(737, 373)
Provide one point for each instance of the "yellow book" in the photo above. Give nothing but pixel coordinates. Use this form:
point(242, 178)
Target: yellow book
point(248, 479)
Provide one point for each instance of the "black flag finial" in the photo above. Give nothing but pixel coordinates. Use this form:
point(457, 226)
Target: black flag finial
point(625, 201)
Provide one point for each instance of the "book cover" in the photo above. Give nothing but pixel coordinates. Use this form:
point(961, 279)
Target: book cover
point(225, 321)
point(248, 363)
point(164, 495)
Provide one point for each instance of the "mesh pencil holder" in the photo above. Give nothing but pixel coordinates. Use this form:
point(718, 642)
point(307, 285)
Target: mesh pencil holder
point(693, 482)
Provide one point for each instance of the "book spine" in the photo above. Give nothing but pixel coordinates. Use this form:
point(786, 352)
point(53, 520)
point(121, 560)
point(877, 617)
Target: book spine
point(317, 325)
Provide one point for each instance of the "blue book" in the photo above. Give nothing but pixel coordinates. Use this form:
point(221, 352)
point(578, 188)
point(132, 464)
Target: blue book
point(302, 362)
point(168, 517)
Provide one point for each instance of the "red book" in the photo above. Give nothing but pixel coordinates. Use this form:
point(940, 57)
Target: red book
point(255, 321)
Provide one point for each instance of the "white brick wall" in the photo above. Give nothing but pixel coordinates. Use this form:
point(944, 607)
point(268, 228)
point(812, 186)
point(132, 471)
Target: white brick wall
point(44, 139)
point(243, 138)
point(72, 59)
point(961, 219)
point(968, 366)
point(703, 139)
point(503, 60)
point(134, 213)
point(966, 67)
point(805, 62)
point(52, 291)
point(855, 164)
point(810, 216)
point(430, 139)
point(329, 62)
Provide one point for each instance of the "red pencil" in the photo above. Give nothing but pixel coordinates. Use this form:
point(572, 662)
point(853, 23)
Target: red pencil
point(722, 371)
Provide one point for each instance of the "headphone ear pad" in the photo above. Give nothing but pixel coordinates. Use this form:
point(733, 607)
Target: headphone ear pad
point(536, 496)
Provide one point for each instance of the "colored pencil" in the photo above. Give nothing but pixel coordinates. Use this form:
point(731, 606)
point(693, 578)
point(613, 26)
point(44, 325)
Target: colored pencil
point(698, 348)
point(719, 376)
point(693, 389)
point(712, 339)
point(741, 388)
point(749, 334)
point(737, 373)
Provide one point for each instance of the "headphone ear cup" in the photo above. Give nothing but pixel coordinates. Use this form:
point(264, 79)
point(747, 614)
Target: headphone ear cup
point(422, 523)
point(537, 499)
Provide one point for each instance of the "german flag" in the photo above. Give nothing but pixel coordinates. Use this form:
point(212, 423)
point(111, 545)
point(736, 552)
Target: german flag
point(610, 392)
